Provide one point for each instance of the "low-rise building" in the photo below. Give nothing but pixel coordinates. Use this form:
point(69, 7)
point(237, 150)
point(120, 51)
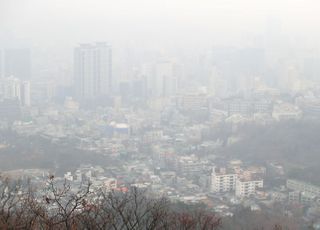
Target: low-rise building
point(247, 188)
point(285, 111)
point(303, 187)
point(223, 180)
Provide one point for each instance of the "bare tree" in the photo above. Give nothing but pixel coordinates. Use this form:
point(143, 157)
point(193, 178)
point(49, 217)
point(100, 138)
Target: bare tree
point(132, 210)
point(59, 206)
point(14, 204)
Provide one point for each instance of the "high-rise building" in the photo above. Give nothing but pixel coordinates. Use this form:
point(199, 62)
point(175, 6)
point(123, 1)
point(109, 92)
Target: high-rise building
point(162, 78)
point(25, 93)
point(10, 88)
point(14, 89)
point(92, 70)
point(17, 63)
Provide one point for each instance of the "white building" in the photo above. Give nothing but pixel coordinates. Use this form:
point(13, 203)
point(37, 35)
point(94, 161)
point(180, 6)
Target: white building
point(14, 88)
point(190, 164)
point(303, 187)
point(10, 88)
point(25, 93)
point(223, 180)
point(247, 188)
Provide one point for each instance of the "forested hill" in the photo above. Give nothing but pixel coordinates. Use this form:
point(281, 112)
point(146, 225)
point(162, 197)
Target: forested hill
point(292, 143)
point(296, 142)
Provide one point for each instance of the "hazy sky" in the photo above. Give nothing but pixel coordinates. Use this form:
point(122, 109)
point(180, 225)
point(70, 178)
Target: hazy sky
point(54, 22)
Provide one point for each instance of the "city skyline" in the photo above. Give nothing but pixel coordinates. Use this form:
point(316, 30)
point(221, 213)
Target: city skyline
point(149, 114)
